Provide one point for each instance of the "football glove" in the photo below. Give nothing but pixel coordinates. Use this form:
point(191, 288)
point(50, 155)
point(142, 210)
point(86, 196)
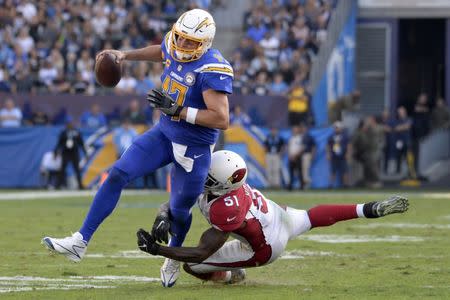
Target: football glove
point(146, 242)
point(162, 101)
point(161, 228)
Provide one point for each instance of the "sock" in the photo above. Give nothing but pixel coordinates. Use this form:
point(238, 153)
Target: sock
point(369, 210)
point(179, 230)
point(326, 215)
point(104, 202)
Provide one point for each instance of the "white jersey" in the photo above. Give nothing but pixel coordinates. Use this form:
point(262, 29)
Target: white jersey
point(256, 221)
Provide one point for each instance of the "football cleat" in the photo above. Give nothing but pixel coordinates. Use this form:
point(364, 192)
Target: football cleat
point(170, 271)
point(237, 275)
point(392, 205)
point(73, 247)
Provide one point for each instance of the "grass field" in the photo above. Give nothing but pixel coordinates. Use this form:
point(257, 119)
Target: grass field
point(397, 257)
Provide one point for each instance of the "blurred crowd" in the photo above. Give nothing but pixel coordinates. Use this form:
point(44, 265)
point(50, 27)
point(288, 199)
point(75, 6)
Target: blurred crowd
point(49, 46)
point(386, 144)
point(274, 56)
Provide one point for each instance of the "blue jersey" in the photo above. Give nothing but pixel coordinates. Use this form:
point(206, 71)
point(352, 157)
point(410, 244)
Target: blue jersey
point(185, 82)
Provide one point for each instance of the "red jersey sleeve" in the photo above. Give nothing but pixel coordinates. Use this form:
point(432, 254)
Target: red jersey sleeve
point(228, 212)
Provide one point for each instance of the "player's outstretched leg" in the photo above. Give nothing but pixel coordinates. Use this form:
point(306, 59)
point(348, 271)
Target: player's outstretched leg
point(327, 215)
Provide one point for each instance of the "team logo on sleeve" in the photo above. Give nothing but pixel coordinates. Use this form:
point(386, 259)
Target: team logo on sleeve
point(189, 78)
point(167, 63)
point(237, 176)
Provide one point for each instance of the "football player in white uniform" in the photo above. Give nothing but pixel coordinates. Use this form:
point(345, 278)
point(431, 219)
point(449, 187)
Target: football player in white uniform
point(261, 227)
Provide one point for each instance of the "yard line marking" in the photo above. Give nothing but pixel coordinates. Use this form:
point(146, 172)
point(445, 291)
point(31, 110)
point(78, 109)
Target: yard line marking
point(31, 283)
point(347, 238)
point(102, 278)
point(124, 254)
point(403, 225)
point(39, 194)
point(301, 254)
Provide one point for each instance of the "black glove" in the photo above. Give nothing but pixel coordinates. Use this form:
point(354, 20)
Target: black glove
point(146, 242)
point(162, 101)
point(161, 228)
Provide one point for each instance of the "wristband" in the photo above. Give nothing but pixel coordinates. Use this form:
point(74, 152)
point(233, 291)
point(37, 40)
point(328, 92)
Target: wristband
point(191, 115)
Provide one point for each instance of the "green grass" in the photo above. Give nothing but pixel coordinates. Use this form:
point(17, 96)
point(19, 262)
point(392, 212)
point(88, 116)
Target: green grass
point(369, 270)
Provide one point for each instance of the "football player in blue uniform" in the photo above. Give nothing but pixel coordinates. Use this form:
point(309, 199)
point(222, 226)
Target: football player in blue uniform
point(194, 103)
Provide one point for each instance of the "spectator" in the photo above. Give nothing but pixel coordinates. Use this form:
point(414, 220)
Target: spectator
point(39, 118)
point(402, 133)
point(388, 125)
point(270, 45)
point(338, 152)
point(134, 113)
point(278, 87)
point(295, 147)
point(307, 156)
point(256, 32)
point(80, 85)
point(85, 64)
point(69, 142)
point(365, 145)
point(440, 116)
point(60, 84)
point(420, 127)
point(94, 118)
point(274, 145)
point(25, 41)
point(238, 117)
point(143, 83)
point(127, 84)
point(47, 74)
point(261, 86)
point(298, 106)
point(10, 115)
point(50, 168)
point(123, 137)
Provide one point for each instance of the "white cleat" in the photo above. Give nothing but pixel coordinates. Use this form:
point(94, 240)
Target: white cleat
point(73, 247)
point(170, 271)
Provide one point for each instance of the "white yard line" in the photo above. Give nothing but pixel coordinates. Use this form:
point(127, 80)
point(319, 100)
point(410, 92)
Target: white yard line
point(403, 225)
point(39, 194)
point(32, 283)
point(348, 238)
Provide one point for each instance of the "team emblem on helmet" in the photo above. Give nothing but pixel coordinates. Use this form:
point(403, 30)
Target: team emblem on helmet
point(237, 176)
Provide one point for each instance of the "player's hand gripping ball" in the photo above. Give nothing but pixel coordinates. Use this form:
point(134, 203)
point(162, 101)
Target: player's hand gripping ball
point(108, 67)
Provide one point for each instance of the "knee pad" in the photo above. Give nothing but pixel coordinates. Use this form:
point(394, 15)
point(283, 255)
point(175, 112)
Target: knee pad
point(117, 176)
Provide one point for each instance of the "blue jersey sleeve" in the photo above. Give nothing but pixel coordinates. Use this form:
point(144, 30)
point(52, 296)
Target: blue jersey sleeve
point(218, 82)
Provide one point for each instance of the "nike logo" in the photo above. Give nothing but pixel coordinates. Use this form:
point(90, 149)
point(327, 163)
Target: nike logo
point(231, 219)
point(73, 251)
point(160, 223)
point(197, 156)
point(222, 77)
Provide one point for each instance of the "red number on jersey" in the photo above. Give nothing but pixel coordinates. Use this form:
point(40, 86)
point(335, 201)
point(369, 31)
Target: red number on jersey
point(260, 202)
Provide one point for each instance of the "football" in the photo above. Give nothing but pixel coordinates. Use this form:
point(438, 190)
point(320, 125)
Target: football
point(107, 71)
